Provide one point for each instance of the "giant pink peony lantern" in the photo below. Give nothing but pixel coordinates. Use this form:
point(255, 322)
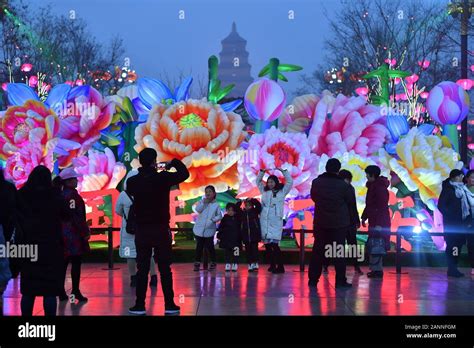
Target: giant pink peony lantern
point(345, 123)
point(19, 165)
point(99, 171)
point(82, 119)
point(264, 101)
point(274, 149)
point(22, 125)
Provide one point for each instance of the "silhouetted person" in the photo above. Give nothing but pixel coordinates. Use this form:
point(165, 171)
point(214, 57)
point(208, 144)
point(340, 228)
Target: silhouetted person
point(151, 194)
point(7, 224)
point(469, 181)
point(351, 237)
point(41, 209)
point(333, 198)
point(377, 212)
point(456, 203)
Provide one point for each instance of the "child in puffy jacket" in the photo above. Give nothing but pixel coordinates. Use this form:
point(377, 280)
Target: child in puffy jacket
point(205, 227)
point(250, 231)
point(229, 236)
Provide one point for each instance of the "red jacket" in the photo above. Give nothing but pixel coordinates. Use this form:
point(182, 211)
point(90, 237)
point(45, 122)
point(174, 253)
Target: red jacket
point(376, 203)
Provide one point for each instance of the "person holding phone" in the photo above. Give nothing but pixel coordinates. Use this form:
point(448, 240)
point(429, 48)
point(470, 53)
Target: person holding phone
point(151, 196)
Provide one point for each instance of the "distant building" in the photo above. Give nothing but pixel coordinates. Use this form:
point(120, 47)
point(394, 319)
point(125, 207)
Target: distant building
point(233, 64)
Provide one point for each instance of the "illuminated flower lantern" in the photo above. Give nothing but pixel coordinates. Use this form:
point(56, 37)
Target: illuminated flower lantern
point(99, 171)
point(33, 81)
point(274, 149)
point(398, 127)
point(345, 123)
point(26, 67)
point(362, 91)
point(202, 135)
point(19, 165)
point(22, 125)
point(84, 116)
point(264, 101)
point(28, 120)
point(422, 163)
point(298, 116)
point(466, 84)
point(448, 105)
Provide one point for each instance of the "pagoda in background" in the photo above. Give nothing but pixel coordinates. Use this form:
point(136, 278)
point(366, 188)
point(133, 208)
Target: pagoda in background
point(233, 64)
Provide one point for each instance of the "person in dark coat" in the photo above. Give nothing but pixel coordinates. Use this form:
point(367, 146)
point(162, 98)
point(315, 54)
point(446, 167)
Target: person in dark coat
point(377, 212)
point(151, 194)
point(351, 237)
point(229, 236)
point(76, 233)
point(41, 210)
point(333, 198)
point(456, 203)
point(250, 232)
point(469, 182)
point(7, 222)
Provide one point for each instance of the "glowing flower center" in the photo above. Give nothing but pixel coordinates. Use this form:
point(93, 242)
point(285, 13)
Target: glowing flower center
point(191, 121)
point(283, 153)
point(21, 127)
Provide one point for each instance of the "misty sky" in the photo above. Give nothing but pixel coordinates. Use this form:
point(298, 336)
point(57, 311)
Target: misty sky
point(156, 40)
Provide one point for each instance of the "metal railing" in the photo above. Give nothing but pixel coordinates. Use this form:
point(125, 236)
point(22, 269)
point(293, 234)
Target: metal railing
point(302, 249)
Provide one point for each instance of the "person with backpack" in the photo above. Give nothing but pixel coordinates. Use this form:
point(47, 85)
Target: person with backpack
point(127, 238)
point(150, 190)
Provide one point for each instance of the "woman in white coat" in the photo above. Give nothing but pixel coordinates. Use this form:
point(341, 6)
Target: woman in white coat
point(127, 241)
point(271, 217)
point(209, 214)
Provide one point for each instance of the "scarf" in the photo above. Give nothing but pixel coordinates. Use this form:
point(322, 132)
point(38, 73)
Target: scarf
point(467, 198)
